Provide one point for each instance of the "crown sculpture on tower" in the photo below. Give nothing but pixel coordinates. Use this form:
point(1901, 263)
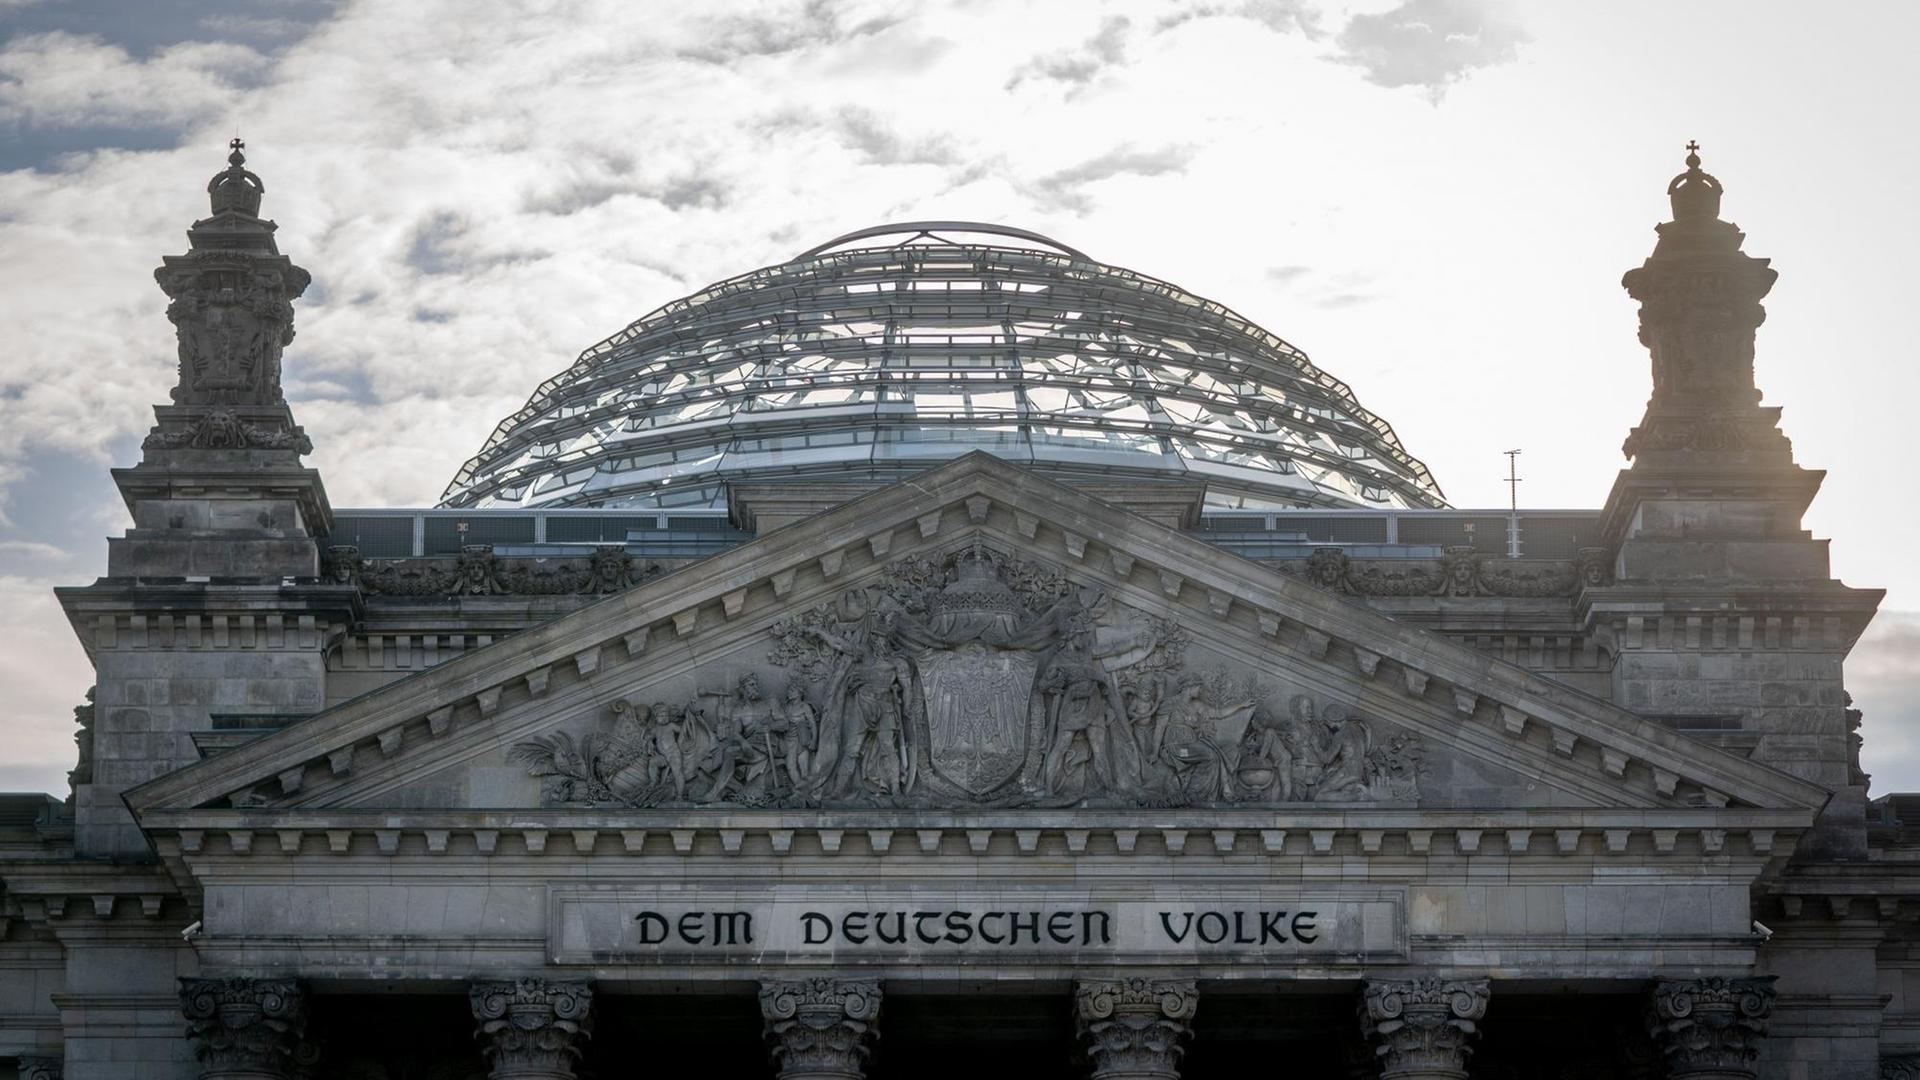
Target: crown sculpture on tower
point(220, 490)
point(232, 307)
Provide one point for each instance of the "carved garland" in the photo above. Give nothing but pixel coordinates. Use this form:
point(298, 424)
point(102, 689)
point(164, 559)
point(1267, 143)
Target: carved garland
point(1460, 572)
point(222, 429)
point(478, 572)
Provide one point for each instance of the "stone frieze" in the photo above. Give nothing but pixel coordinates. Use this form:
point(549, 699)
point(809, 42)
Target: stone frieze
point(977, 680)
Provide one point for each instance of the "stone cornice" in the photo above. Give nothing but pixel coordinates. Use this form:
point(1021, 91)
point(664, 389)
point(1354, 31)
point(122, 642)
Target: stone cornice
point(296, 483)
point(1816, 616)
point(1790, 484)
point(178, 614)
point(1310, 628)
point(50, 890)
point(1739, 842)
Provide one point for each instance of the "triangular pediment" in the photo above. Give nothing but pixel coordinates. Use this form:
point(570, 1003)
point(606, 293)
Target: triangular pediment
point(978, 637)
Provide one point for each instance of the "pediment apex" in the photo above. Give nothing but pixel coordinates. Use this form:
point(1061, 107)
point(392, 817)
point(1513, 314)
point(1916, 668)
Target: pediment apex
point(1628, 760)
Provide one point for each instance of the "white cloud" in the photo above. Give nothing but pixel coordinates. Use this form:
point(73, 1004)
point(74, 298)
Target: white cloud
point(1105, 49)
point(63, 80)
point(1431, 43)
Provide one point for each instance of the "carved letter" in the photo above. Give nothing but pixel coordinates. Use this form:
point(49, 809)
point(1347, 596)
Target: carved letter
point(812, 922)
point(653, 927)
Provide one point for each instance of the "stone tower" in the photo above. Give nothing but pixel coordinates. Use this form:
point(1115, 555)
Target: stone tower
point(1725, 617)
point(211, 613)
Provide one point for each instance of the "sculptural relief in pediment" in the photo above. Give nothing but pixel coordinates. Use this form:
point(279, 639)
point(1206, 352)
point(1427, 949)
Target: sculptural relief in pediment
point(978, 679)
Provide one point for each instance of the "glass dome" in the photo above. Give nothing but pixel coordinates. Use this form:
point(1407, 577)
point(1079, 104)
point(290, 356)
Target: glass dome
point(891, 350)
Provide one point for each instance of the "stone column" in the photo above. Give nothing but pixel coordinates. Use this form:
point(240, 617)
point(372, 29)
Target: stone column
point(822, 1028)
point(248, 1029)
point(531, 1029)
point(1710, 1029)
point(1423, 1029)
point(1134, 1029)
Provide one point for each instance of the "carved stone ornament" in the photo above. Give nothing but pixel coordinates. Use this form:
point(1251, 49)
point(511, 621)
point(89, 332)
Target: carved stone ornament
point(1134, 1029)
point(232, 298)
point(82, 771)
point(232, 319)
point(477, 571)
point(985, 681)
point(1855, 742)
point(532, 1029)
point(1594, 566)
point(1902, 1067)
point(223, 429)
point(1752, 431)
point(1709, 1029)
point(1424, 1027)
point(44, 1067)
point(820, 1028)
point(1460, 572)
point(1700, 306)
point(248, 1029)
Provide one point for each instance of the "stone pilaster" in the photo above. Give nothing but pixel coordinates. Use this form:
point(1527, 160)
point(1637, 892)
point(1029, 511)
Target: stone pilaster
point(248, 1029)
point(42, 1068)
point(1134, 1029)
point(820, 1028)
point(1710, 1029)
point(1423, 1029)
point(532, 1029)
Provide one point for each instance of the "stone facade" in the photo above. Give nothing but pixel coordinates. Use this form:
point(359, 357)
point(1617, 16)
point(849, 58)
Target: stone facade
point(979, 771)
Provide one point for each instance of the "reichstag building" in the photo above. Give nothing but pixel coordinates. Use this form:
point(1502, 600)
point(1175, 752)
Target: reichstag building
point(943, 654)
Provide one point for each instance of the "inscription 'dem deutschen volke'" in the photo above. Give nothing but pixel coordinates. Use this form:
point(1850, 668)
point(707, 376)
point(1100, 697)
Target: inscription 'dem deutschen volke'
point(921, 923)
point(1012, 928)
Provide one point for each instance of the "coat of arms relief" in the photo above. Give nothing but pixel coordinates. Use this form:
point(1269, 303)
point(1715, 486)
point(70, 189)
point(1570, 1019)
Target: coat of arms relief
point(978, 680)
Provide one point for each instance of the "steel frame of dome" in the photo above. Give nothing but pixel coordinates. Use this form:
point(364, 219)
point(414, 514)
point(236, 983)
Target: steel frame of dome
point(873, 361)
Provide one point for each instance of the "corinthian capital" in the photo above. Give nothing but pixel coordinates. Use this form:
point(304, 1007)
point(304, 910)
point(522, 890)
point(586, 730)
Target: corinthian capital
point(820, 1028)
point(1709, 1029)
point(1423, 1029)
point(532, 1029)
point(248, 1029)
point(1134, 1029)
point(41, 1068)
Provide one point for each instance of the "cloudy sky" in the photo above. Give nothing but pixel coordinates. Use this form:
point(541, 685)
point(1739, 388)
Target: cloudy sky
point(1434, 198)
